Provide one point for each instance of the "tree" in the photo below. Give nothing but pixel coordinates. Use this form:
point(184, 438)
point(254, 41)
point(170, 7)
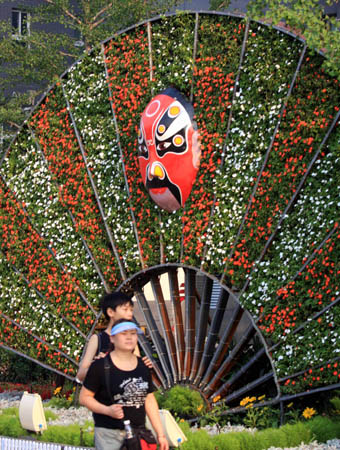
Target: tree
point(31, 61)
point(306, 18)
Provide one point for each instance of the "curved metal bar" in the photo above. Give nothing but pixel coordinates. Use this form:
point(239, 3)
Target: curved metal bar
point(154, 333)
point(80, 292)
point(307, 322)
point(214, 330)
point(266, 157)
point(38, 338)
point(122, 158)
point(194, 57)
point(293, 198)
point(202, 329)
point(94, 188)
point(179, 328)
point(148, 26)
point(301, 372)
point(247, 388)
point(165, 324)
point(45, 366)
point(190, 320)
point(274, 401)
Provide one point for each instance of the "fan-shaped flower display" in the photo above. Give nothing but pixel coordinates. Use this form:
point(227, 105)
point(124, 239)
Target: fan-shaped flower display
point(238, 289)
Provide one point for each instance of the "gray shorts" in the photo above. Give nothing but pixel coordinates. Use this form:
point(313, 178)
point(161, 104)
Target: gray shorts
point(108, 439)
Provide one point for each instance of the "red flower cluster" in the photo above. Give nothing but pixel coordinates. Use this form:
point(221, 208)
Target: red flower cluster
point(312, 378)
point(54, 131)
point(296, 142)
point(316, 285)
point(127, 59)
point(213, 83)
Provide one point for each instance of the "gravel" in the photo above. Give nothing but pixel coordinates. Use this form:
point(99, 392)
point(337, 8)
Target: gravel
point(81, 415)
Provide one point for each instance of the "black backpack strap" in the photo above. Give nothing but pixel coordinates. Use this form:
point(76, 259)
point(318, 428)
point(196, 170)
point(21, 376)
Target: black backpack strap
point(107, 376)
point(99, 344)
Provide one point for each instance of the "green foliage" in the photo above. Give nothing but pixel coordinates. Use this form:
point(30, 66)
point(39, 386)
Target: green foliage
point(335, 401)
point(306, 18)
point(12, 411)
point(63, 397)
point(323, 428)
point(37, 58)
point(182, 402)
point(286, 436)
point(16, 369)
point(70, 435)
point(261, 418)
point(10, 426)
point(319, 428)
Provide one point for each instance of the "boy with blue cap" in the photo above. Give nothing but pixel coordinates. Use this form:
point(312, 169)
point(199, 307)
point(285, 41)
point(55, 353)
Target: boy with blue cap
point(119, 387)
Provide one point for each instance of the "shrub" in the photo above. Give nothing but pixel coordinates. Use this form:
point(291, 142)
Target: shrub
point(50, 415)
point(296, 433)
point(67, 435)
point(181, 402)
point(12, 411)
point(335, 402)
point(10, 426)
point(323, 428)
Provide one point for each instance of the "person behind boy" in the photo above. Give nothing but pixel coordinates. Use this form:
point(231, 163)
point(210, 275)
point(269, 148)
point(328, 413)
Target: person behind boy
point(115, 306)
point(119, 387)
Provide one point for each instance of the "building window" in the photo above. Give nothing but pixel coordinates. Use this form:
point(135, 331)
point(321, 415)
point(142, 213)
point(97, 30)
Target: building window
point(20, 23)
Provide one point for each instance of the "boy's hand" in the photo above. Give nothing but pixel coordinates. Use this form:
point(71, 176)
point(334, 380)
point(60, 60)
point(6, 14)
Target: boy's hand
point(147, 362)
point(115, 411)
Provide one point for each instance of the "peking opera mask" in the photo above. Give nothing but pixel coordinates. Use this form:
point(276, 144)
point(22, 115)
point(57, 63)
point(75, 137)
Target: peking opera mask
point(168, 149)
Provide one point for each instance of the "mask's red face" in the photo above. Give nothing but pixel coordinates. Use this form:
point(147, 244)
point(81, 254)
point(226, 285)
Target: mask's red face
point(169, 152)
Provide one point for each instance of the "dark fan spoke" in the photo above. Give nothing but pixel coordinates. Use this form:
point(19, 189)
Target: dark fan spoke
point(166, 326)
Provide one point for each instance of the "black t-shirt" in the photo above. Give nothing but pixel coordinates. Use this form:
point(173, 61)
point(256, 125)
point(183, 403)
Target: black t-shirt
point(128, 387)
point(104, 343)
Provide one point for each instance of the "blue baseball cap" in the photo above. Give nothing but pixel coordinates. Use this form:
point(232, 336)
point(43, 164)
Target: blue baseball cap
point(124, 326)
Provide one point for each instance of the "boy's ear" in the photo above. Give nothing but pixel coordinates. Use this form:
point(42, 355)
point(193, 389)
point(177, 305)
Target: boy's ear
point(110, 312)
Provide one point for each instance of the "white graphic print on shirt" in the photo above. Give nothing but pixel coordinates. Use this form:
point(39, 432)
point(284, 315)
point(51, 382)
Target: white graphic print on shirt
point(134, 392)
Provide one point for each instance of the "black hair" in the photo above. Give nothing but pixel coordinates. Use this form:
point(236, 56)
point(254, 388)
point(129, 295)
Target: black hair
point(112, 300)
point(117, 322)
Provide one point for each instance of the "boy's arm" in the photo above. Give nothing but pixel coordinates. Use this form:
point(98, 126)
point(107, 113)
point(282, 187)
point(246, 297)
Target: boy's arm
point(90, 353)
point(152, 411)
point(86, 398)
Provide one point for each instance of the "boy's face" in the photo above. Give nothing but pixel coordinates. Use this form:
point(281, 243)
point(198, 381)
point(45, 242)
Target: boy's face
point(122, 312)
point(126, 340)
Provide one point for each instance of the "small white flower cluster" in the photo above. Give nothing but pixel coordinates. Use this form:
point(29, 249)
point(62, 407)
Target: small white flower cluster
point(173, 63)
point(88, 93)
point(36, 315)
point(254, 118)
point(316, 343)
point(34, 187)
point(301, 231)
